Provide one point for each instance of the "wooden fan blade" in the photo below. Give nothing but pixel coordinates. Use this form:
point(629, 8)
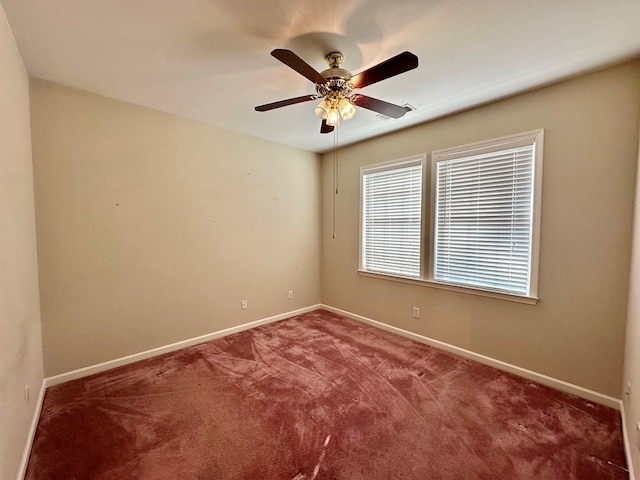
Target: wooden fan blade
point(401, 63)
point(380, 106)
point(284, 103)
point(324, 128)
point(294, 61)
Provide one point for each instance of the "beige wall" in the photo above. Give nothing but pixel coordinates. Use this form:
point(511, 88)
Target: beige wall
point(152, 228)
point(631, 402)
point(576, 332)
point(20, 342)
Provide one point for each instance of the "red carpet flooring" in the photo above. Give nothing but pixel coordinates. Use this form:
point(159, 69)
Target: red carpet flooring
point(319, 397)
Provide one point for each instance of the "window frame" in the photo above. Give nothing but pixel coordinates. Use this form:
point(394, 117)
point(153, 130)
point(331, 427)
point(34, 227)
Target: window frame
point(534, 138)
point(428, 215)
point(386, 166)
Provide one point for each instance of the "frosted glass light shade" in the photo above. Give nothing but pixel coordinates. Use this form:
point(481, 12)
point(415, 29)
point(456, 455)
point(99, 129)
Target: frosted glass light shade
point(322, 109)
point(346, 108)
point(333, 117)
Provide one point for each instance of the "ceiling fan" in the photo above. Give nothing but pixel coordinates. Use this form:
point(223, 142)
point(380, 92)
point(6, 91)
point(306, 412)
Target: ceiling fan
point(337, 86)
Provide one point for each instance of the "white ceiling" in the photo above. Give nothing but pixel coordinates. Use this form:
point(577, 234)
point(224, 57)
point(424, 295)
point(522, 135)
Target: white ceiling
point(209, 59)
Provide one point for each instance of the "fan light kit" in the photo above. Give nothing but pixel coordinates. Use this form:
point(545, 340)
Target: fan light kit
point(336, 87)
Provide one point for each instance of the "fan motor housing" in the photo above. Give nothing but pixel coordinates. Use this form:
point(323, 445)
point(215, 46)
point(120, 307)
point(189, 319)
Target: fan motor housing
point(338, 79)
point(336, 72)
point(335, 85)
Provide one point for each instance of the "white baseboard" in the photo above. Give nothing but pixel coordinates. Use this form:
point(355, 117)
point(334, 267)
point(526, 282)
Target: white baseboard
point(118, 362)
point(492, 362)
point(522, 372)
point(24, 462)
point(627, 441)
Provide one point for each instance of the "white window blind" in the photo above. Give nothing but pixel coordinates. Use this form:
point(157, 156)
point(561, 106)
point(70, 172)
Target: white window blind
point(484, 217)
point(392, 218)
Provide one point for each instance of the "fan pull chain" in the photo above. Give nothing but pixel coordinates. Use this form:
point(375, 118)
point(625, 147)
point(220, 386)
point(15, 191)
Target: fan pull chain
point(335, 176)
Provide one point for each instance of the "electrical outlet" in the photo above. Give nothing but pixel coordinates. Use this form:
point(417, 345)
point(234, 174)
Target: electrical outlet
point(290, 294)
point(416, 312)
point(26, 394)
point(244, 305)
point(627, 390)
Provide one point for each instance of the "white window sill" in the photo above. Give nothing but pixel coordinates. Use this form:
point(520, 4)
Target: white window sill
point(454, 288)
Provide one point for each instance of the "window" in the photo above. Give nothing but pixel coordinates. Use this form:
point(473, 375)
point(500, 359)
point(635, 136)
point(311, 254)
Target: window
point(484, 208)
point(483, 223)
point(391, 212)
